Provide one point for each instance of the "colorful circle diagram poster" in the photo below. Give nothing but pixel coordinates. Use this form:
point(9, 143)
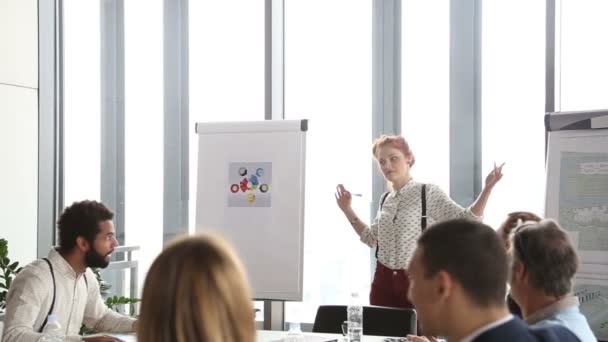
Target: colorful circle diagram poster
point(249, 184)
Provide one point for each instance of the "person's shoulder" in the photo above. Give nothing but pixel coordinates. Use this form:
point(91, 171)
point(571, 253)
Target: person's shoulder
point(550, 321)
point(512, 330)
point(419, 184)
point(550, 332)
point(431, 188)
point(36, 272)
point(517, 330)
point(35, 268)
point(573, 320)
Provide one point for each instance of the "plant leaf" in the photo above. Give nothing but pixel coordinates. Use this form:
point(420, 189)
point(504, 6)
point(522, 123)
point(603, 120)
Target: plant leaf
point(13, 266)
point(3, 248)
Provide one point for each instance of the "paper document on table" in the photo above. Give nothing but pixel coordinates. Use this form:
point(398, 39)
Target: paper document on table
point(308, 338)
point(126, 337)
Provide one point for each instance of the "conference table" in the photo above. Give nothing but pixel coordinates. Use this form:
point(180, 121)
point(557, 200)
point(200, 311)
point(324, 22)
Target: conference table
point(276, 336)
point(272, 336)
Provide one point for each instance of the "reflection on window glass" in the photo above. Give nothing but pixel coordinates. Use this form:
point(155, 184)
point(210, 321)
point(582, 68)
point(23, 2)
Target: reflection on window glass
point(584, 52)
point(425, 85)
point(144, 129)
point(82, 103)
point(328, 80)
point(513, 104)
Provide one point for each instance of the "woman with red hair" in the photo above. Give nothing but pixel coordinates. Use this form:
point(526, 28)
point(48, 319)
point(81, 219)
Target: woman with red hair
point(404, 212)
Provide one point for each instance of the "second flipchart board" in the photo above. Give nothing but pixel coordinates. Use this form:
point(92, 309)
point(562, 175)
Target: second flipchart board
point(577, 196)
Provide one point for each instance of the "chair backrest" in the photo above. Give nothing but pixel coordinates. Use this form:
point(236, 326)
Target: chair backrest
point(329, 319)
point(377, 320)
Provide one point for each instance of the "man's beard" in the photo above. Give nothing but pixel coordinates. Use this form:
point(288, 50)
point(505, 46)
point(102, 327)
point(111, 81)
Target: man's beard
point(95, 260)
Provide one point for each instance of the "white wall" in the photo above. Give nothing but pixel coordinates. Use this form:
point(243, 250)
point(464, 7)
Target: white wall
point(19, 42)
point(19, 127)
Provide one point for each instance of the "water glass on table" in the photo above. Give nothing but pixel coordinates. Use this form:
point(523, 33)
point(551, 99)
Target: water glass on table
point(352, 331)
point(294, 334)
point(345, 330)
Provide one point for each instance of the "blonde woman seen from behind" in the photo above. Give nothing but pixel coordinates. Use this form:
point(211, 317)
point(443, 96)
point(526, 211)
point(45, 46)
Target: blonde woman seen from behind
point(196, 290)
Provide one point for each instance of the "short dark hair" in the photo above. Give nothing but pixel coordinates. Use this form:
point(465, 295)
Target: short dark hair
point(81, 219)
point(548, 256)
point(472, 253)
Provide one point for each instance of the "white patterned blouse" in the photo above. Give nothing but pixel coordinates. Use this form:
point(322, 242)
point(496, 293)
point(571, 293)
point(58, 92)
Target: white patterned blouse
point(397, 225)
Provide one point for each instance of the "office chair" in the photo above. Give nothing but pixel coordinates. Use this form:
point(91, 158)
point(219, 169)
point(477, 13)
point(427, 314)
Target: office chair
point(377, 320)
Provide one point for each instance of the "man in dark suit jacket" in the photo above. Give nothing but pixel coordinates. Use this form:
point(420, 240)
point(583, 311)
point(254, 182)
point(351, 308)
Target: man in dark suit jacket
point(458, 286)
point(517, 330)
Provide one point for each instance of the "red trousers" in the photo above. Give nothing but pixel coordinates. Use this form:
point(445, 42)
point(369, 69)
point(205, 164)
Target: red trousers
point(390, 288)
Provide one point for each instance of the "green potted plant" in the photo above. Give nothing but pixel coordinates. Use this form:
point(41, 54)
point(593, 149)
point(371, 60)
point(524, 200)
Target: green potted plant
point(113, 302)
point(8, 271)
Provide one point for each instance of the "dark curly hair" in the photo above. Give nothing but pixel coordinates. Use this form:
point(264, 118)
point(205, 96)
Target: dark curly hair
point(81, 219)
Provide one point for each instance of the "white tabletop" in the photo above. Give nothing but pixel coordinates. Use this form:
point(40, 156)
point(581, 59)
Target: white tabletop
point(271, 336)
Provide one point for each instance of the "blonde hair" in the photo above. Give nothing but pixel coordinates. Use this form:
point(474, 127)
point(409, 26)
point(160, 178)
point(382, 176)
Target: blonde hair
point(196, 290)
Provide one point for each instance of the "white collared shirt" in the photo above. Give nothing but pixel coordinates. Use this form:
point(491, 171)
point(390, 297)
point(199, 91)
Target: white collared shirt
point(76, 302)
point(564, 312)
point(397, 227)
point(551, 310)
point(487, 327)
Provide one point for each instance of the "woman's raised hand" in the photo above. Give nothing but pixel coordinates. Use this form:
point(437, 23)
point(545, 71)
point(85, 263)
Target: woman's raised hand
point(343, 197)
point(494, 176)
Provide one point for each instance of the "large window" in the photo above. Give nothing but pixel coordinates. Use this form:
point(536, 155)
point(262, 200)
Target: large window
point(143, 115)
point(328, 80)
point(425, 81)
point(226, 71)
point(513, 84)
point(82, 105)
point(226, 68)
point(584, 52)
point(144, 130)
